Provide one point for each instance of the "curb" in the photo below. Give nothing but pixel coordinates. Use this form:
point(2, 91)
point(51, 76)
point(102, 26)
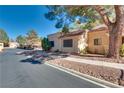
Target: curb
point(92, 79)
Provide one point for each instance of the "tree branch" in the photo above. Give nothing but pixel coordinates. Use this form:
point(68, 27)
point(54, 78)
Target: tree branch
point(103, 14)
point(119, 11)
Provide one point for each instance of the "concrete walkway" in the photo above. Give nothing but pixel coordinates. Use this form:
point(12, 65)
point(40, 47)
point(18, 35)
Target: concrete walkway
point(98, 63)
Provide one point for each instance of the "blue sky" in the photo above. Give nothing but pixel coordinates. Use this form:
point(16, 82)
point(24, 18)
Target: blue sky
point(18, 20)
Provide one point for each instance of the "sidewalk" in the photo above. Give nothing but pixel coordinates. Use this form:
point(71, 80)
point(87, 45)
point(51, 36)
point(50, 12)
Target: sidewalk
point(98, 63)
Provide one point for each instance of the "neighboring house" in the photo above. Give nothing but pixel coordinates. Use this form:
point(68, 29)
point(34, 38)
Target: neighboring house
point(13, 44)
point(1, 46)
point(95, 41)
point(70, 42)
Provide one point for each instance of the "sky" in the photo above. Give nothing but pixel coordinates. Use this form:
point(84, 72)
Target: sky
point(18, 20)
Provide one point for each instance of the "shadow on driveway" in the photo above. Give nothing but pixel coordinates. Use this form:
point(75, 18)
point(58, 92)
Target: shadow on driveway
point(39, 57)
point(32, 61)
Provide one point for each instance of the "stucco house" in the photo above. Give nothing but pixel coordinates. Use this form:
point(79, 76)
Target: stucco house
point(13, 44)
point(95, 40)
point(74, 41)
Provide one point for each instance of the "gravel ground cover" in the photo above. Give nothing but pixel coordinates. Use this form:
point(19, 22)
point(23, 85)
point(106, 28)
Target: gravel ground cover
point(109, 74)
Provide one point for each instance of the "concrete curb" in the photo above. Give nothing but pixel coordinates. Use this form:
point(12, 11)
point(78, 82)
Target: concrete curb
point(103, 83)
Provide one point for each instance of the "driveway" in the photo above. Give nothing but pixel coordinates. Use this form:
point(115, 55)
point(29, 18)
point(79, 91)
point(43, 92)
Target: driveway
point(15, 73)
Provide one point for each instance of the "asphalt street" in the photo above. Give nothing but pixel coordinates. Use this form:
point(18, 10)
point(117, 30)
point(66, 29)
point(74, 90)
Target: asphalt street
point(17, 73)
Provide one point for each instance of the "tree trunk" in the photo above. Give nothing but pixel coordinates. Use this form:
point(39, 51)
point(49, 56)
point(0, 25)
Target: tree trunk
point(111, 49)
point(115, 29)
point(114, 41)
point(115, 33)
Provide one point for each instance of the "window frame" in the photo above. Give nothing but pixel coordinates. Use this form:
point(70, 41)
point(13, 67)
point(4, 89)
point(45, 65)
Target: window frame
point(66, 41)
point(97, 41)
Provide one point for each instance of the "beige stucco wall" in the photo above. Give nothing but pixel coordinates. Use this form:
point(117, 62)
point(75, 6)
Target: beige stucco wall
point(100, 49)
point(57, 42)
point(79, 42)
point(74, 48)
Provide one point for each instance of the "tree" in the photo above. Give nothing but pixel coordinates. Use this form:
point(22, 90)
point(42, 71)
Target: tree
point(21, 40)
point(46, 44)
point(4, 37)
point(66, 15)
point(91, 14)
point(115, 28)
point(32, 34)
point(65, 30)
point(31, 37)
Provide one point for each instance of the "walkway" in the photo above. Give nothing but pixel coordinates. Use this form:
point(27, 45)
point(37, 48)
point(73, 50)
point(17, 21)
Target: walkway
point(98, 63)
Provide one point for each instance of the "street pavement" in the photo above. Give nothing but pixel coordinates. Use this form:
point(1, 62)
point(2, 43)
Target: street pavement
point(18, 72)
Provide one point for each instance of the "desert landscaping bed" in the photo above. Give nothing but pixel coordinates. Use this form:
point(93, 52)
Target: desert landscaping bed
point(95, 57)
point(109, 74)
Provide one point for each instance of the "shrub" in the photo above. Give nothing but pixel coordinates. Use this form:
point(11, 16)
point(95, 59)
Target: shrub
point(83, 51)
point(122, 50)
point(46, 44)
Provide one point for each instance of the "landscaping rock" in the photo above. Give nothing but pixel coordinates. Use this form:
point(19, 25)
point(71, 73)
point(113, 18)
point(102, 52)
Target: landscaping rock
point(109, 74)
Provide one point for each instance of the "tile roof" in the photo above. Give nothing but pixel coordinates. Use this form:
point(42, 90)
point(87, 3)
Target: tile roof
point(99, 29)
point(74, 33)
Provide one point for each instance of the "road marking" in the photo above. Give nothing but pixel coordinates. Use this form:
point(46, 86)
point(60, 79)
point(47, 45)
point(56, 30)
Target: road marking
point(77, 76)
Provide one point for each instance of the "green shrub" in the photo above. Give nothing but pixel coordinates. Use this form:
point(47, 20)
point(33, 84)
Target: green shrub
point(122, 50)
point(46, 44)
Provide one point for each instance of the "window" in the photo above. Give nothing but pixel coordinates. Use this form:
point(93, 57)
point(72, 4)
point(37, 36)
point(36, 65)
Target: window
point(122, 40)
point(98, 41)
point(68, 43)
point(52, 43)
